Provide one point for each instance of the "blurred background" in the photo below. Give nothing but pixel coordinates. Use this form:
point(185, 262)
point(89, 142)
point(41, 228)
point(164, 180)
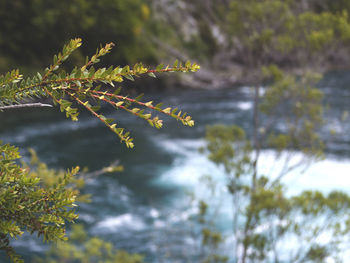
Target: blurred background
point(155, 206)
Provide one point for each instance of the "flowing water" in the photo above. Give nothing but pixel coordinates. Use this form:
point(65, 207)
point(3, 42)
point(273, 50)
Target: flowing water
point(146, 208)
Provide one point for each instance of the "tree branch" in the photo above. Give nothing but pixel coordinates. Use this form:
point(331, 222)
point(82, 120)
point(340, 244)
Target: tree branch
point(28, 105)
point(113, 167)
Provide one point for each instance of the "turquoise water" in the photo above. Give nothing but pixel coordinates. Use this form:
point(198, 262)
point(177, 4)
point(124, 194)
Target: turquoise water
point(146, 208)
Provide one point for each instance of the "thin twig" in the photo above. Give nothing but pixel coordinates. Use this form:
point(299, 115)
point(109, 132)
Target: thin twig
point(113, 167)
point(27, 105)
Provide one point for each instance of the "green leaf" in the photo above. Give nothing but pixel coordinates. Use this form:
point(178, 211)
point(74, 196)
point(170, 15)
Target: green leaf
point(151, 74)
point(96, 108)
point(139, 97)
point(159, 105)
point(109, 120)
point(129, 77)
point(159, 67)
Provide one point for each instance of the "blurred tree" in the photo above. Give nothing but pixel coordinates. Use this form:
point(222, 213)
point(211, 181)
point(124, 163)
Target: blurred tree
point(334, 6)
point(33, 30)
point(267, 224)
point(286, 115)
point(83, 249)
point(275, 31)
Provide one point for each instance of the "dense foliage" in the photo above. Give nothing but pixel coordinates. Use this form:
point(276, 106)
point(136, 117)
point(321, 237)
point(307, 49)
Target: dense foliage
point(55, 22)
point(28, 205)
point(274, 30)
point(84, 249)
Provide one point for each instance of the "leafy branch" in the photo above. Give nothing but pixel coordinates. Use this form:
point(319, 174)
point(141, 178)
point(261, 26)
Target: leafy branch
point(29, 202)
point(82, 87)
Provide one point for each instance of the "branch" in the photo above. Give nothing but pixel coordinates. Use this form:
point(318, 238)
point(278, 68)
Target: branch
point(28, 105)
point(113, 167)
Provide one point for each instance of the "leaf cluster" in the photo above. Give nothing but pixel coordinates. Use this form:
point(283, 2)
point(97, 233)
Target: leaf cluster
point(84, 249)
point(98, 21)
point(29, 204)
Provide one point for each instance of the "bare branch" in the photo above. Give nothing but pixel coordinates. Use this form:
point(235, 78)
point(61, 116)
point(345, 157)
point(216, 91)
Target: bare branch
point(27, 105)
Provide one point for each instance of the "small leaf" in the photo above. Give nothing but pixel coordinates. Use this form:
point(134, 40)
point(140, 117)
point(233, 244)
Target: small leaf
point(151, 74)
point(129, 77)
point(159, 105)
point(147, 116)
point(159, 67)
point(167, 110)
point(96, 108)
point(109, 120)
point(139, 97)
point(148, 104)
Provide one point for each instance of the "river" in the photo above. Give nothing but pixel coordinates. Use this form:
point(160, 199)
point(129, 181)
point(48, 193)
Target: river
point(146, 208)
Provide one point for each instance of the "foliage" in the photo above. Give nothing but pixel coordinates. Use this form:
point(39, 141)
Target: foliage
point(287, 113)
point(37, 199)
point(78, 87)
point(84, 249)
point(210, 30)
point(299, 104)
point(211, 239)
point(334, 6)
point(42, 201)
point(242, 36)
point(29, 205)
point(55, 22)
point(286, 118)
point(275, 29)
point(269, 225)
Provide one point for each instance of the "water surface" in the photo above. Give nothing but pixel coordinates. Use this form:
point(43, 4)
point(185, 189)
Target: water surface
point(147, 207)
